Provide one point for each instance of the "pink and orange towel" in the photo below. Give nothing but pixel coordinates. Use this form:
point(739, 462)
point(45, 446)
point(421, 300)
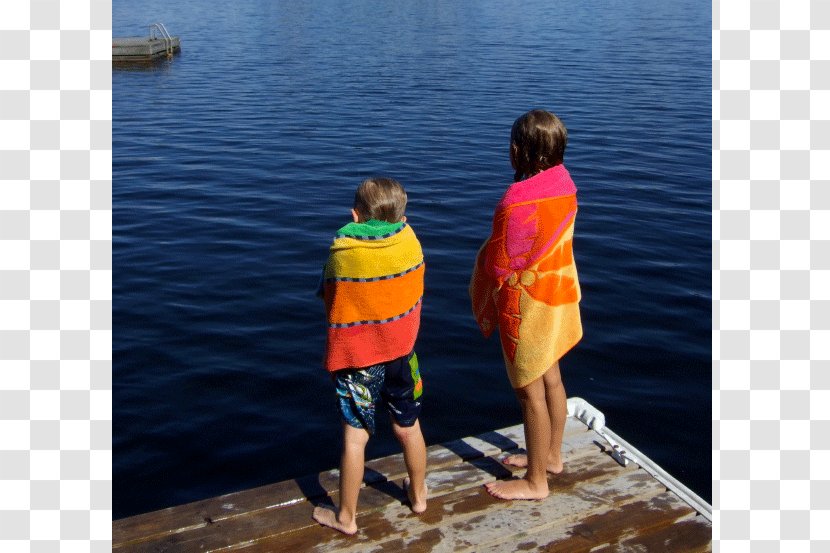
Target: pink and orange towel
point(525, 280)
point(373, 284)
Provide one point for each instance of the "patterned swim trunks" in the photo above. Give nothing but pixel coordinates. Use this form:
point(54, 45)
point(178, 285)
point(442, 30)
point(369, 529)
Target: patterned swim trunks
point(397, 383)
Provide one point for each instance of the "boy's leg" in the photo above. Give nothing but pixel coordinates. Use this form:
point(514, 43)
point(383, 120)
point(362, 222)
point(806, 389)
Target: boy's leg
point(351, 477)
point(558, 409)
point(401, 393)
point(415, 457)
point(537, 423)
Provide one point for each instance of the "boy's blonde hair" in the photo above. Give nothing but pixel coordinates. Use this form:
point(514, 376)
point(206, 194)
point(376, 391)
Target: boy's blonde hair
point(380, 198)
point(537, 142)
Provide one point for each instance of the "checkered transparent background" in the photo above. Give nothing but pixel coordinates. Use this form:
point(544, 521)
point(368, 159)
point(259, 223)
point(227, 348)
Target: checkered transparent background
point(55, 275)
point(771, 275)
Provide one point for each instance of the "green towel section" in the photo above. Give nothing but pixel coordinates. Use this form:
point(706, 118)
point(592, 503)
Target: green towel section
point(372, 227)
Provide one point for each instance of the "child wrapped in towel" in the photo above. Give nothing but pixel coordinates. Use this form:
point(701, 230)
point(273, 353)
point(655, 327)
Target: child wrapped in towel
point(373, 284)
point(525, 284)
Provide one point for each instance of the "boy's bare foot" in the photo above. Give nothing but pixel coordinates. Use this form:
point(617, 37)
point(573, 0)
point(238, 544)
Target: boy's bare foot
point(419, 502)
point(327, 517)
point(516, 489)
point(520, 460)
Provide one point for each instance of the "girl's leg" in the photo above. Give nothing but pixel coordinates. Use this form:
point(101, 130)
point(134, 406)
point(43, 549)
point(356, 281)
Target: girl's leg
point(415, 457)
point(558, 409)
point(351, 477)
point(537, 423)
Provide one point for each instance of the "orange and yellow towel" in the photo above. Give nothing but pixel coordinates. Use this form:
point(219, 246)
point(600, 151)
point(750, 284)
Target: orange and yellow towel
point(373, 284)
point(525, 280)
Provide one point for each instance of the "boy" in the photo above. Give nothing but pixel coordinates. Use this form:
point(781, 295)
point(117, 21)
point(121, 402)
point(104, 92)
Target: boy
point(373, 283)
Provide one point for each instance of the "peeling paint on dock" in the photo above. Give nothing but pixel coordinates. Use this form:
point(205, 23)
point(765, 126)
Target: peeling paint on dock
point(595, 504)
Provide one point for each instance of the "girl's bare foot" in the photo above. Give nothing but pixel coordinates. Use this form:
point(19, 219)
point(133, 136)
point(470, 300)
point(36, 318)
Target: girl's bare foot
point(327, 517)
point(418, 502)
point(516, 489)
point(520, 460)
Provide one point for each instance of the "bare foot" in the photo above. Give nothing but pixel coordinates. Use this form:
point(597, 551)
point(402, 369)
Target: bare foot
point(520, 460)
point(515, 489)
point(327, 517)
point(418, 504)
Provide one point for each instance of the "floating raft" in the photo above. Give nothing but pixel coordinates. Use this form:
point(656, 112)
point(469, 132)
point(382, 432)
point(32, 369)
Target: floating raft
point(596, 504)
point(158, 45)
point(143, 49)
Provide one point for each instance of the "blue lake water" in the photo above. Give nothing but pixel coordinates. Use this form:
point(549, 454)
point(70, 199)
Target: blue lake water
point(234, 164)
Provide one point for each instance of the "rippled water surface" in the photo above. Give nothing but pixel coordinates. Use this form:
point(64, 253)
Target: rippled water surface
point(235, 163)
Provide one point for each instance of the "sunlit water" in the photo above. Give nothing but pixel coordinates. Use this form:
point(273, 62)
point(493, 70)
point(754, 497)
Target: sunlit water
point(235, 163)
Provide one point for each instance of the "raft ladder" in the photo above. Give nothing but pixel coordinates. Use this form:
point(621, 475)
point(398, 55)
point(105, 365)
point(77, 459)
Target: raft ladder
point(162, 30)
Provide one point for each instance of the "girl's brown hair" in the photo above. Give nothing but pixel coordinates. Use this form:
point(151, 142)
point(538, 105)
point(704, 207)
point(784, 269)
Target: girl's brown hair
point(380, 198)
point(537, 142)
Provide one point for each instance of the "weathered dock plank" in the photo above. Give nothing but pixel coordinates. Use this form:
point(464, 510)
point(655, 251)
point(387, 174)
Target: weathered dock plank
point(200, 514)
point(659, 524)
point(595, 505)
point(447, 469)
point(293, 527)
point(467, 517)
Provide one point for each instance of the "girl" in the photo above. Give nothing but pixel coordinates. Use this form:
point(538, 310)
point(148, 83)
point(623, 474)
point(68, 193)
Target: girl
point(525, 284)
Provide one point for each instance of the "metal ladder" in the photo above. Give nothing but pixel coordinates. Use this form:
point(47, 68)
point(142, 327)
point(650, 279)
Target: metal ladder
point(168, 40)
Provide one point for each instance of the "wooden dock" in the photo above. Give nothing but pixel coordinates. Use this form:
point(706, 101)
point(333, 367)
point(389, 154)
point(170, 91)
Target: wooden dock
point(596, 504)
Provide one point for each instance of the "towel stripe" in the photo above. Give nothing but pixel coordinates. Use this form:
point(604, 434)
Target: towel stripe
point(389, 320)
point(381, 237)
point(375, 279)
